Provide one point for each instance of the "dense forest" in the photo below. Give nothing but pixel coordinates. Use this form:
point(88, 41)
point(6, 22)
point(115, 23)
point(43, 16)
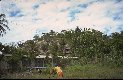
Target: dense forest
point(91, 46)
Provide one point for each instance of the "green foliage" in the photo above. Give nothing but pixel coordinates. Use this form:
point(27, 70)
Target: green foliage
point(89, 45)
point(3, 24)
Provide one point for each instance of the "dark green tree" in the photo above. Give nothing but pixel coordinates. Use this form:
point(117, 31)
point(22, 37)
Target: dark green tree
point(3, 24)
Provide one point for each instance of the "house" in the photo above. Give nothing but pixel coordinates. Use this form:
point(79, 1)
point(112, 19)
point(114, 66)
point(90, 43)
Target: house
point(39, 62)
point(25, 62)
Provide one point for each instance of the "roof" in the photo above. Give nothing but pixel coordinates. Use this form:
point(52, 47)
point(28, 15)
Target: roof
point(42, 56)
point(67, 57)
point(7, 54)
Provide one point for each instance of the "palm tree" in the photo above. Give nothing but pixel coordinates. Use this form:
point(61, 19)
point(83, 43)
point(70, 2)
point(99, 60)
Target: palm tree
point(3, 24)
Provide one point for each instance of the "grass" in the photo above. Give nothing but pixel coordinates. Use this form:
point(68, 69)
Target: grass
point(76, 72)
point(93, 72)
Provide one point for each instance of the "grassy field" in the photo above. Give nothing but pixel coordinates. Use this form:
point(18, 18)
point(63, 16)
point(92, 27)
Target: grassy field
point(75, 72)
point(93, 72)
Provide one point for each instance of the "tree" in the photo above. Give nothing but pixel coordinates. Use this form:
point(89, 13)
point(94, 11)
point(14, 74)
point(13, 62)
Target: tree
point(116, 44)
point(31, 49)
point(3, 24)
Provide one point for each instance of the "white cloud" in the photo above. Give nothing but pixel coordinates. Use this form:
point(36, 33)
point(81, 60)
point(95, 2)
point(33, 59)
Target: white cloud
point(54, 15)
point(95, 14)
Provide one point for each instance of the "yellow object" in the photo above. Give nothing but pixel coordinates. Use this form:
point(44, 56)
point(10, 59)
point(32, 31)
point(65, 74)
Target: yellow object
point(57, 69)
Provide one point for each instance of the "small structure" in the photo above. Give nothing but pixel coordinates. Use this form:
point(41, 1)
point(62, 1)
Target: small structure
point(39, 62)
point(25, 62)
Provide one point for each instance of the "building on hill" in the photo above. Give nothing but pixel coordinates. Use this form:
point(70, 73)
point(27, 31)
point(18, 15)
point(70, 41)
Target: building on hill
point(25, 62)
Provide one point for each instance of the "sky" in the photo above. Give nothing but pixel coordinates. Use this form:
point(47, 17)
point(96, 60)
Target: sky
point(30, 17)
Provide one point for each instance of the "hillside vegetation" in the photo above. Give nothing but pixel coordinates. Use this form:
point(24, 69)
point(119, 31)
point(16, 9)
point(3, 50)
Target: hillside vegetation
point(99, 55)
